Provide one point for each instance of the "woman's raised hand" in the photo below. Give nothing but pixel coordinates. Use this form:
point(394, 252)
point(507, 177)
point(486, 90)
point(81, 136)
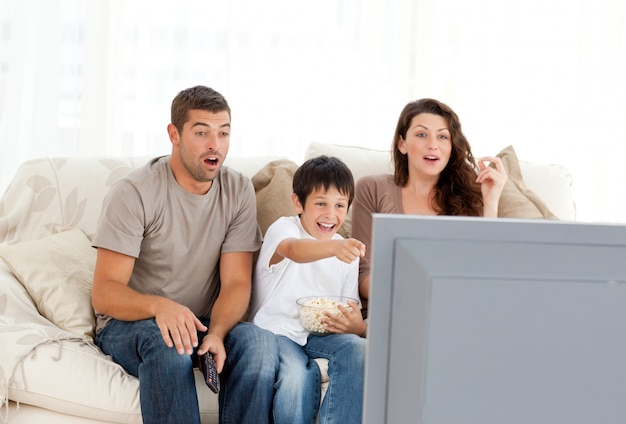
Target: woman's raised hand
point(492, 177)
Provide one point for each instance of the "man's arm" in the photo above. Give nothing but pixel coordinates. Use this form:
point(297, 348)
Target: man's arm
point(111, 296)
point(231, 303)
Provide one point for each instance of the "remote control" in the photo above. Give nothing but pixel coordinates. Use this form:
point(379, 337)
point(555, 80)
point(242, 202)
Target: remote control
point(206, 363)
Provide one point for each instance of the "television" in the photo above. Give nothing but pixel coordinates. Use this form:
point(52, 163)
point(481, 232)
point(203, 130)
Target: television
point(477, 320)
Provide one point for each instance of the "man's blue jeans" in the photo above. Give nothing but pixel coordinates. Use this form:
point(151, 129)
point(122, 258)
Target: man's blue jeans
point(166, 382)
point(343, 402)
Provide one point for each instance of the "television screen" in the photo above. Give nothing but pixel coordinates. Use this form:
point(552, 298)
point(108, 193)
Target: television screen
point(476, 320)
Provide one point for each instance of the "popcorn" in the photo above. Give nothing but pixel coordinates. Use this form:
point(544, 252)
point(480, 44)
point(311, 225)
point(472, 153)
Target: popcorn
point(312, 312)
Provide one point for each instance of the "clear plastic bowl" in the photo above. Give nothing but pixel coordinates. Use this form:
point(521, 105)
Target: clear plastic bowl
point(312, 310)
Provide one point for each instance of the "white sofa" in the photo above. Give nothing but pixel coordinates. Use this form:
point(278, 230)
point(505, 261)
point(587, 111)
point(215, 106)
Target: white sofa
point(50, 370)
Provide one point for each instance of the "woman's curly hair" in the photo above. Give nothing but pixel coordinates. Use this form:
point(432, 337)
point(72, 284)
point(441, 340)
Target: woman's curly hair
point(456, 191)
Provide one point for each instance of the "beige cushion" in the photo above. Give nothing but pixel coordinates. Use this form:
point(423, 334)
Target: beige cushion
point(273, 187)
point(57, 272)
point(517, 201)
point(538, 191)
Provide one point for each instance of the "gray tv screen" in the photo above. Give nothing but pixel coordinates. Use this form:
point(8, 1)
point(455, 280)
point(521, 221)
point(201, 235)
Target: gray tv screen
point(475, 320)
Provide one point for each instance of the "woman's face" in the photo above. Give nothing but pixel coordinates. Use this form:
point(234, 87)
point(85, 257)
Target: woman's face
point(427, 145)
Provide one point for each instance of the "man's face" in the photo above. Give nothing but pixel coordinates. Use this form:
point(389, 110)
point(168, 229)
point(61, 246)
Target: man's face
point(200, 148)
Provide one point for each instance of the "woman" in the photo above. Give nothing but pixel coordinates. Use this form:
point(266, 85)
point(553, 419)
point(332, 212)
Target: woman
point(434, 174)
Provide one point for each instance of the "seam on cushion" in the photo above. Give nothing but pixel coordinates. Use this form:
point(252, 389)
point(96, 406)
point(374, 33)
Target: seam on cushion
point(33, 353)
point(97, 412)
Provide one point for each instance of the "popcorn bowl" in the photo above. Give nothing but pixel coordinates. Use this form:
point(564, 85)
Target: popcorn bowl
point(312, 311)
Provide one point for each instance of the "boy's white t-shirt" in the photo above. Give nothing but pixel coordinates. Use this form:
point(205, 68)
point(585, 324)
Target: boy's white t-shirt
point(276, 288)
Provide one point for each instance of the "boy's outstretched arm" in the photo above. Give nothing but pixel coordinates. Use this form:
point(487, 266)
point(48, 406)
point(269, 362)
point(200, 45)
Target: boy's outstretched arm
point(306, 250)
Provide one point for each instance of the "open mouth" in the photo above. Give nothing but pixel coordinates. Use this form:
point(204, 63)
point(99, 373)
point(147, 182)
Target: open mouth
point(325, 226)
point(429, 158)
point(212, 161)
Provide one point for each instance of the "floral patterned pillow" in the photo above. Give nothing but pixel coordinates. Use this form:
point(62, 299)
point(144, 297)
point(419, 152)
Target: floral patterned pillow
point(57, 272)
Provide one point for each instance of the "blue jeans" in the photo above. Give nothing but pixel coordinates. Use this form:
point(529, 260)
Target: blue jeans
point(343, 401)
point(298, 385)
point(166, 383)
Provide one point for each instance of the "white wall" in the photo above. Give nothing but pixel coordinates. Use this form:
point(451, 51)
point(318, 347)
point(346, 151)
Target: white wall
point(86, 78)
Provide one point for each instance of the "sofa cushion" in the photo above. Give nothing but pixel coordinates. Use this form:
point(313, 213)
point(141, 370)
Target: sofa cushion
point(59, 192)
point(273, 187)
point(360, 160)
point(36, 356)
point(93, 385)
point(552, 182)
point(57, 272)
point(250, 166)
point(517, 201)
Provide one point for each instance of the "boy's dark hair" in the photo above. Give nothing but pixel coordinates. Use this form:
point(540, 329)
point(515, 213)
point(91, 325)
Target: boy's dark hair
point(198, 98)
point(323, 172)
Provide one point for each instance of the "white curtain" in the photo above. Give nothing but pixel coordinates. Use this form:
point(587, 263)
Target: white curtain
point(81, 78)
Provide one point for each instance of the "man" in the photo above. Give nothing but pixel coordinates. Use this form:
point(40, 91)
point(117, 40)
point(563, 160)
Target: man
point(173, 273)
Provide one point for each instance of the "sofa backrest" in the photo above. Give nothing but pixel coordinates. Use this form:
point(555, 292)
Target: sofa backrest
point(50, 194)
point(551, 183)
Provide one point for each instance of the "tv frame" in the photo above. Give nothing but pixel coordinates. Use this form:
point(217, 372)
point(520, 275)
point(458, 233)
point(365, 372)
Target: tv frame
point(570, 279)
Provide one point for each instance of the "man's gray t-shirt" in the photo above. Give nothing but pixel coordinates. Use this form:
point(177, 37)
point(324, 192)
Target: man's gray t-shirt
point(176, 236)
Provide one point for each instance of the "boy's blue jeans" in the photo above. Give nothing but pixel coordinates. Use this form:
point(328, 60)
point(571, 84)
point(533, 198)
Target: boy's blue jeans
point(343, 402)
point(166, 382)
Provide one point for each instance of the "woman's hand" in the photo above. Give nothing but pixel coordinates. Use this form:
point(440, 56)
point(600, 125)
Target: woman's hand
point(492, 180)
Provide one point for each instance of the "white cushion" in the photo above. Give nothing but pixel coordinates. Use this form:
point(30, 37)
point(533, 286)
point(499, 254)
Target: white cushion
point(49, 193)
point(551, 182)
point(360, 160)
point(43, 365)
point(57, 272)
point(92, 386)
point(67, 192)
point(249, 166)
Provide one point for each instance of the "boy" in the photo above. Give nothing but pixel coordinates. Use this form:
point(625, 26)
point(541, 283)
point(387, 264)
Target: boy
point(304, 256)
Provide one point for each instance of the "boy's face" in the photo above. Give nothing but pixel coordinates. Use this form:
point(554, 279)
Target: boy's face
point(323, 212)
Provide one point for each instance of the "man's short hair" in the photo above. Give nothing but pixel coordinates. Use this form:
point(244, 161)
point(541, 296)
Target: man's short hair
point(199, 98)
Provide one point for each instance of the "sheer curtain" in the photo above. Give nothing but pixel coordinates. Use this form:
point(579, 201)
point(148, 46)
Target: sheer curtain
point(96, 78)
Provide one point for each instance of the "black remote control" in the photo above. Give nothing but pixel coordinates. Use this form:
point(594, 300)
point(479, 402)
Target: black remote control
point(206, 363)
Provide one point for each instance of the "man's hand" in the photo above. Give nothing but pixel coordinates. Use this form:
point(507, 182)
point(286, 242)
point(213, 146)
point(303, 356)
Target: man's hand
point(179, 326)
point(214, 344)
